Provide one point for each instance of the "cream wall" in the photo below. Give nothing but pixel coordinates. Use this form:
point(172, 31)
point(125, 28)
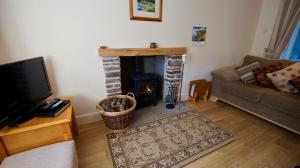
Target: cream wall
point(68, 33)
point(265, 26)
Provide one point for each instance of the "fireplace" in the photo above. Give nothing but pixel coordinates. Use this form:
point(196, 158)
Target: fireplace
point(146, 72)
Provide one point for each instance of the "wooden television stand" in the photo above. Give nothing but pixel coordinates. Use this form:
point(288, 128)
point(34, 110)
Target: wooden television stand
point(38, 132)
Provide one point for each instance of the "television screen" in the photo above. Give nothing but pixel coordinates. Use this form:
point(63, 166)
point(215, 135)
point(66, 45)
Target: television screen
point(23, 85)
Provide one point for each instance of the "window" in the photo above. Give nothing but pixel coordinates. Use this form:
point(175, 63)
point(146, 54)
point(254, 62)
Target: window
point(292, 50)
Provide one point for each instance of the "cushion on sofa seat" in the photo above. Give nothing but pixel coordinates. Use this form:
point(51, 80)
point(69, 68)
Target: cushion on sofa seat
point(261, 75)
point(58, 155)
point(246, 72)
point(296, 83)
point(284, 102)
point(249, 92)
point(281, 78)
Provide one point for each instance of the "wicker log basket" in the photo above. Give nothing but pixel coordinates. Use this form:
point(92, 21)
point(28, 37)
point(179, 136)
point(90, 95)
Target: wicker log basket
point(117, 120)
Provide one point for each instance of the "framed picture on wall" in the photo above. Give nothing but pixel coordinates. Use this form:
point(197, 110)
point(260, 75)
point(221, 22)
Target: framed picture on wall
point(199, 35)
point(147, 10)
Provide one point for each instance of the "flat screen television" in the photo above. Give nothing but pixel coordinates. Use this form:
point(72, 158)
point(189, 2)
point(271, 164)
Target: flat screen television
point(24, 84)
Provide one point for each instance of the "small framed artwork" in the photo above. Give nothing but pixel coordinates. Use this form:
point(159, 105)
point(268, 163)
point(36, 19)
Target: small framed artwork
point(147, 10)
point(199, 35)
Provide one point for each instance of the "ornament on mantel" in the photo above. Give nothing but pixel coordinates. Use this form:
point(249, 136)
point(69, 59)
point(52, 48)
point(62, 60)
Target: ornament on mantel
point(103, 47)
point(153, 45)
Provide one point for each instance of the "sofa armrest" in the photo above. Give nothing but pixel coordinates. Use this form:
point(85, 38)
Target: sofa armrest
point(226, 74)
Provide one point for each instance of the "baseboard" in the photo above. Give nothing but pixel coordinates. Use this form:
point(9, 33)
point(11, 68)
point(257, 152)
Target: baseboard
point(88, 118)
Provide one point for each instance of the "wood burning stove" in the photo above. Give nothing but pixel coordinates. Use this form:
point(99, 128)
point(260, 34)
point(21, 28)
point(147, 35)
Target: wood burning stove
point(144, 86)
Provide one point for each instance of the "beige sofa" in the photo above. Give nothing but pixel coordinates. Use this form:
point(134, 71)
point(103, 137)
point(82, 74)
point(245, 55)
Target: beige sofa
point(275, 106)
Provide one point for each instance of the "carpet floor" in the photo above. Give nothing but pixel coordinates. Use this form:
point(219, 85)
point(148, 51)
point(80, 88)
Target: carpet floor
point(168, 142)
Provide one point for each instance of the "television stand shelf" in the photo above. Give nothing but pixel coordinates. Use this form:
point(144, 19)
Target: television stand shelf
point(38, 132)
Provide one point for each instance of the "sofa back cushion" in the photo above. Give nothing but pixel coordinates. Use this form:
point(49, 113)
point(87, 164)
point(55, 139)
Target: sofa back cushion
point(265, 61)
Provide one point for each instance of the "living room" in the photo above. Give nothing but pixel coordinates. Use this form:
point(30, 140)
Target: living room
point(76, 39)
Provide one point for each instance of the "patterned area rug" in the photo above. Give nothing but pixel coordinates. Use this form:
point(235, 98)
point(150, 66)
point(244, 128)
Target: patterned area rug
point(168, 142)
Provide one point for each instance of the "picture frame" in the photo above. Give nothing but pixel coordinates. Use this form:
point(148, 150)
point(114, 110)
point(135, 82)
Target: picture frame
point(146, 10)
point(199, 35)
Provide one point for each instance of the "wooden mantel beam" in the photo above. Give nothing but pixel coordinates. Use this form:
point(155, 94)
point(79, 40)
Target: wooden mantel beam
point(110, 52)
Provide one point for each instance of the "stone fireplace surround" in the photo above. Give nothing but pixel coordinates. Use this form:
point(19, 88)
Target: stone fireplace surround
point(112, 66)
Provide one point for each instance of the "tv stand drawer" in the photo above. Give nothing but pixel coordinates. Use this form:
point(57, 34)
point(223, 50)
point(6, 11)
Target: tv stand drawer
point(23, 141)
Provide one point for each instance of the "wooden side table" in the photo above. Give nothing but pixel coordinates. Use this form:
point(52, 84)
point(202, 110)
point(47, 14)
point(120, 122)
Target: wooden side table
point(200, 88)
point(38, 132)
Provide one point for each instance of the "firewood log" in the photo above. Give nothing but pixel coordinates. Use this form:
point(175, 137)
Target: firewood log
point(121, 107)
point(117, 106)
point(124, 102)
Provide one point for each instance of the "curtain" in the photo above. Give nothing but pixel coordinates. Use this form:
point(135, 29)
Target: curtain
point(292, 50)
point(286, 22)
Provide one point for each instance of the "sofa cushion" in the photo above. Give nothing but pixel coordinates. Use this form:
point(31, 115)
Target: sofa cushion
point(284, 102)
point(248, 59)
point(281, 78)
point(246, 72)
point(246, 91)
point(261, 74)
point(296, 83)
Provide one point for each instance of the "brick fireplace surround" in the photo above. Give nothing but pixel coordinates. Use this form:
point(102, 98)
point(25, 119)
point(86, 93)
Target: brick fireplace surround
point(112, 67)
